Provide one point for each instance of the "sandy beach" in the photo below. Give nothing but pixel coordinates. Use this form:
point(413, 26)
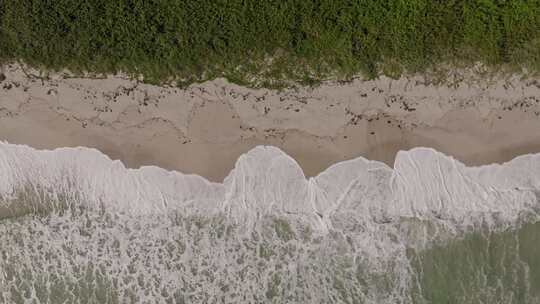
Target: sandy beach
point(204, 128)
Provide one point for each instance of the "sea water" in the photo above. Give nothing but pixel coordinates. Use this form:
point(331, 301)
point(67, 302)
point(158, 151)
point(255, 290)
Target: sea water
point(77, 227)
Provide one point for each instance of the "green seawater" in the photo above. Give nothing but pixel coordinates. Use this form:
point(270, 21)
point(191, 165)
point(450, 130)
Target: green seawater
point(481, 267)
point(94, 256)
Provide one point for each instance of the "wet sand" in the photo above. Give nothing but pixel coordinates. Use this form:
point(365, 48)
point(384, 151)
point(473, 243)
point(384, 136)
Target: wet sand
point(204, 128)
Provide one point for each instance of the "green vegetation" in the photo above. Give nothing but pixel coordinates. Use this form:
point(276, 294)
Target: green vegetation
point(267, 42)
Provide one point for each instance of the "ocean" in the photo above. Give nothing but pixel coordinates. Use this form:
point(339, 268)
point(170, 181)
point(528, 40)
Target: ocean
point(77, 227)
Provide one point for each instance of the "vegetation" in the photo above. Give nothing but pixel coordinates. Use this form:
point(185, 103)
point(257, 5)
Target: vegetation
point(265, 42)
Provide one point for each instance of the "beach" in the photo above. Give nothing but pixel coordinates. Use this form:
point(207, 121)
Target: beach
point(78, 225)
point(374, 152)
point(204, 128)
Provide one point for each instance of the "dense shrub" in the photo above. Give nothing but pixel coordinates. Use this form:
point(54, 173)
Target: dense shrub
point(269, 39)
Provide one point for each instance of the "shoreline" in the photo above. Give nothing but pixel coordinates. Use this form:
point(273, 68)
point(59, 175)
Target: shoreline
point(204, 128)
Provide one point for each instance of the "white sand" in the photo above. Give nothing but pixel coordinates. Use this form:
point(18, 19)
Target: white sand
point(204, 128)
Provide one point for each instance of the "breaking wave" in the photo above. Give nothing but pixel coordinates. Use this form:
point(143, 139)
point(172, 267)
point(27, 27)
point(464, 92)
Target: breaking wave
point(77, 227)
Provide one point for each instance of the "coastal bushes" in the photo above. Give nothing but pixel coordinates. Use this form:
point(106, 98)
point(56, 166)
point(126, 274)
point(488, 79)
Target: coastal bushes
point(261, 42)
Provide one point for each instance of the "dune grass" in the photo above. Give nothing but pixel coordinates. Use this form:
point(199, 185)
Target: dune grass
point(266, 42)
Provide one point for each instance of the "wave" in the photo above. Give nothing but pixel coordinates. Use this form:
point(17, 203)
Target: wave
point(357, 232)
point(423, 184)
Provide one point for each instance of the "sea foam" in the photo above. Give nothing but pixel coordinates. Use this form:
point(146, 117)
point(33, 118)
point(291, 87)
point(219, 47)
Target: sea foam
point(109, 234)
point(423, 184)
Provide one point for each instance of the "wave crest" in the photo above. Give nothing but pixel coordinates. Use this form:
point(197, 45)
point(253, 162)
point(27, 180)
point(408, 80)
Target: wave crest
point(423, 184)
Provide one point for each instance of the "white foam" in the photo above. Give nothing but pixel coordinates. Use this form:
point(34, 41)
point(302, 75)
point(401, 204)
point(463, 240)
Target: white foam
point(423, 184)
point(92, 176)
point(364, 213)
